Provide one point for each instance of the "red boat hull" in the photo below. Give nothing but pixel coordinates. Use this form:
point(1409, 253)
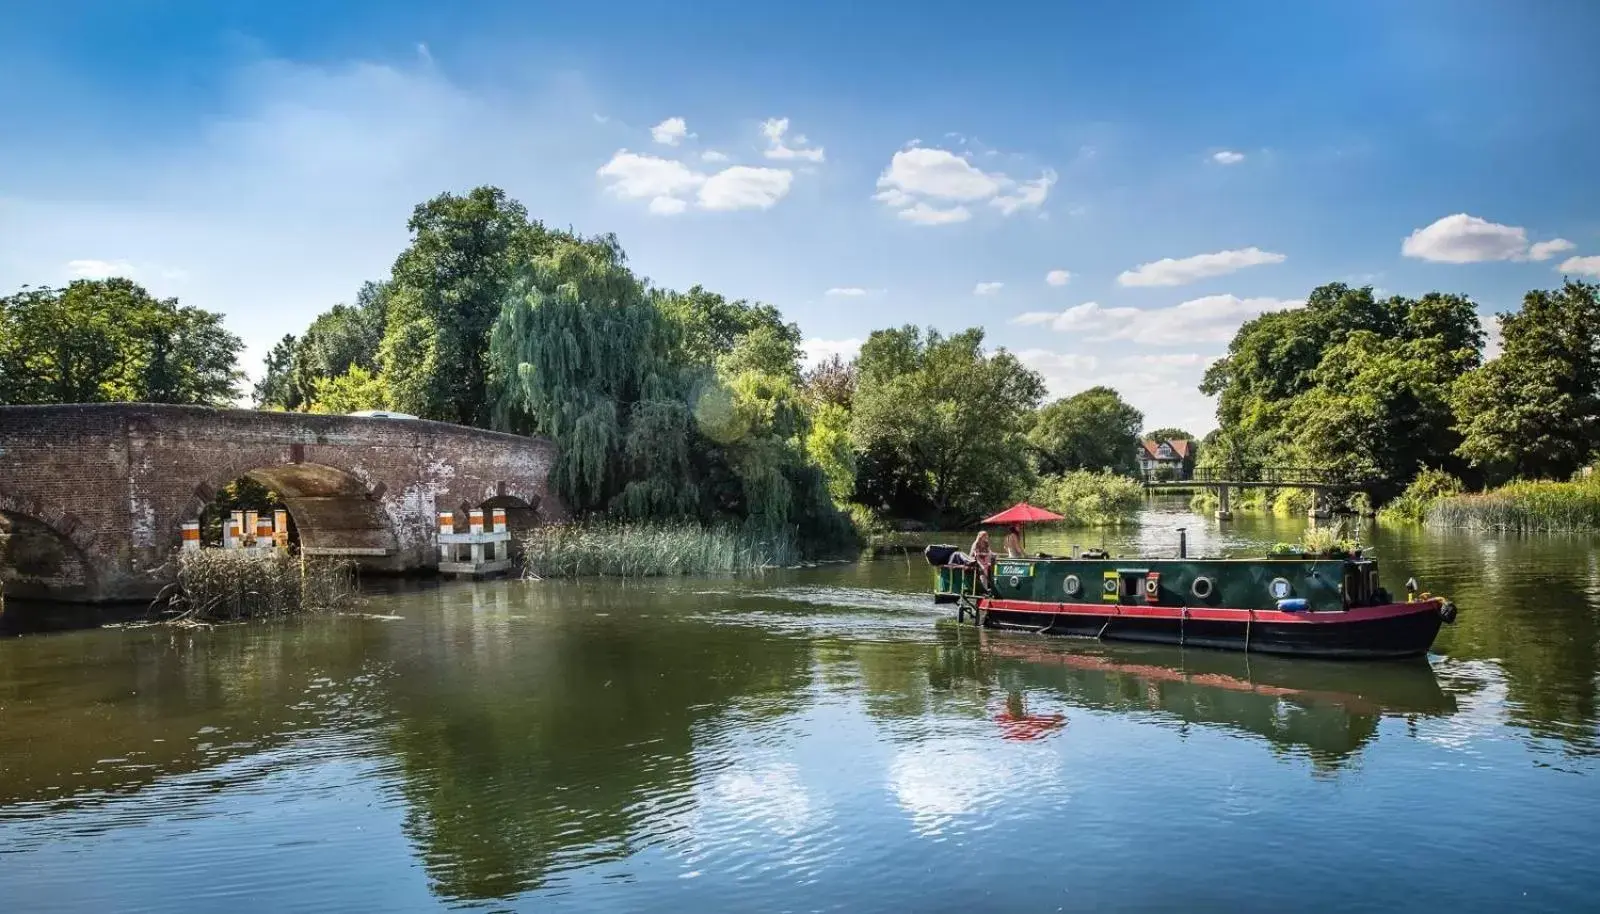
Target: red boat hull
point(1387, 631)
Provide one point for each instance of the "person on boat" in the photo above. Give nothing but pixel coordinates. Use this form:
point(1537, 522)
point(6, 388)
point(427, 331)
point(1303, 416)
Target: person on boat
point(982, 556)
point(1014, 542)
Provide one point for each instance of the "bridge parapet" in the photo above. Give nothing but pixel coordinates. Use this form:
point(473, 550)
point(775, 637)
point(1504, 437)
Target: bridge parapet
point(103, 490)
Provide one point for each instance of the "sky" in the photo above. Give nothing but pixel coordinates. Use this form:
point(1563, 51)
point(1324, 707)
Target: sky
point(1109, 190)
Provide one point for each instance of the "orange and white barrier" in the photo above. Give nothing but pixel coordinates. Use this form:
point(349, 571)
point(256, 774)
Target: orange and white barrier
point(191, 536)
point(476, 552)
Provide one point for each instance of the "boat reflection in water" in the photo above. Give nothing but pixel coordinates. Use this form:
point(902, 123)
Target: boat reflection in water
point(1324, 710)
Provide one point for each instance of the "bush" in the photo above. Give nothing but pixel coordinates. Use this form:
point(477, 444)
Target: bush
point(227, 585)
point(1088, 499)
point(1419, 496)
point(604, 549)
point(1540, 506)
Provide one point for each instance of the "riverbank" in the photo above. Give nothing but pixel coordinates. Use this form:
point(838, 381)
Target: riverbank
point(1535, 506)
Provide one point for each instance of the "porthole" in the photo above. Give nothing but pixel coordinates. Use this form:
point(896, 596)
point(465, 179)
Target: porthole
point(1279, 588)
point(1071, 585)
point(1111, 585)
point(1013, 580)
point(1150, 587)
point(1201, 588)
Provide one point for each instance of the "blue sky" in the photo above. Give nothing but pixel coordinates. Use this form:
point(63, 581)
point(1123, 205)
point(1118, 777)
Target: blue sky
point(1189, 165)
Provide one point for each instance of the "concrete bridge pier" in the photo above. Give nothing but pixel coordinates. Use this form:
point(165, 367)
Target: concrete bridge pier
point(1224, 506)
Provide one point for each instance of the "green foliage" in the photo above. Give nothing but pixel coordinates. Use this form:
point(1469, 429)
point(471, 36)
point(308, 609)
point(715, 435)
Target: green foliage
point(356, 389)
point(1531, 506)
point(1348, 383)
point(448, 289)
point(109, 340)
point(710, 328)
point(940, 423)
point(1092, 430)
point(339, 339)
point(1168, 434)
point(828, 447)
point(1429, 486)
point(1090, 499)
point(629, 550)
point(1533, 411)
point(578, 352)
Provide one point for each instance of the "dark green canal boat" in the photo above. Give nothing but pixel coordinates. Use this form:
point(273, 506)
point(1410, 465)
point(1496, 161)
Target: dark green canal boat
point(1300, 605)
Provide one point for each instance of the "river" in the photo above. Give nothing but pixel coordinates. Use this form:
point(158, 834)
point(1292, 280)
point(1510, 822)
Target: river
point(817, 739)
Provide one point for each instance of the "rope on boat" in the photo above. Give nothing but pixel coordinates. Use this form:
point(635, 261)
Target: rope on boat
point(1116, 611)
point(1247, 623)
point(1183, 617)
point(1049, 625)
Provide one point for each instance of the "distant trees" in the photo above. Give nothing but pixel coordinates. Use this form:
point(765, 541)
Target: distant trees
point(108, 340)
point(940, 423)
point(1348, 383)
point(1093, 430)
point(1533, 412)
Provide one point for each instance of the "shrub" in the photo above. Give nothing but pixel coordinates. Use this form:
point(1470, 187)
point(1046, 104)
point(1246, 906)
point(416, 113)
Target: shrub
point(1428, 487)
point(1088, 499)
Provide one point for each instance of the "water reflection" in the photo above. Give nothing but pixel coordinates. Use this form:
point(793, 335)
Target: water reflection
point(744, 745)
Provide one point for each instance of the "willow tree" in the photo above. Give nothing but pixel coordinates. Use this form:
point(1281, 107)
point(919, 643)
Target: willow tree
point(580, 353)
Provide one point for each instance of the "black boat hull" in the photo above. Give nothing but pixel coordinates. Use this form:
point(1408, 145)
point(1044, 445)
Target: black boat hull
point(1379, 632)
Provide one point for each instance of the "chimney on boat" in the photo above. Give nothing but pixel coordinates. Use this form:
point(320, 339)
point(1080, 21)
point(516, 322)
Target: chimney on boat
point(1183, 543)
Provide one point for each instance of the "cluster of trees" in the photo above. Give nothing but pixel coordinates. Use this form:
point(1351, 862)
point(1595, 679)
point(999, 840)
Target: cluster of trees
point(1385, 389)
point(665, 404)
point(108, 340)
point(672, 404)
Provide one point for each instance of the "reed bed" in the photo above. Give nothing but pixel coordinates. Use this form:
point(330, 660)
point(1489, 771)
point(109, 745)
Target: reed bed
point(1523, 507)
point(226, 585)
point(637, 550)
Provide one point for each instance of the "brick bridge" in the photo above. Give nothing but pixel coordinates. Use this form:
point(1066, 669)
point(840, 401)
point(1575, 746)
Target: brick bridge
point(93, 497)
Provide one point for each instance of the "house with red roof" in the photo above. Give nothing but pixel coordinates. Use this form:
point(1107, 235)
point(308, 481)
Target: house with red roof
point(1172, 458)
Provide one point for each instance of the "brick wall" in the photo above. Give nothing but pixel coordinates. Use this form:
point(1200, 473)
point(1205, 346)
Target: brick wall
point(116, 481)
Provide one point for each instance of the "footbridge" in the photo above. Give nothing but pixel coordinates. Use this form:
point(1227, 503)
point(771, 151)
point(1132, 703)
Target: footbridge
point(1223, 480)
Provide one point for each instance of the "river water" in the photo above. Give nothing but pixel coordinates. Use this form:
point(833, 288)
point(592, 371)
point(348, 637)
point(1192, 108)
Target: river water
point(819, 739)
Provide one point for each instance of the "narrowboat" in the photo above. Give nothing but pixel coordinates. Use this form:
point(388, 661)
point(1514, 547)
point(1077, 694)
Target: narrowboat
point(1330, 606)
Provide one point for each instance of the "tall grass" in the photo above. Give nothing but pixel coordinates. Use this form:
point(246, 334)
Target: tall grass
point(1088, 499)
point(634, 550)
point(1540, 506)
point(226, 585)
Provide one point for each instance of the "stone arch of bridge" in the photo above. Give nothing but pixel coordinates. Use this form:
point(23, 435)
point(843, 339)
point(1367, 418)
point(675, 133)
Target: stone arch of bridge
point(43, 551)
point(334, 511)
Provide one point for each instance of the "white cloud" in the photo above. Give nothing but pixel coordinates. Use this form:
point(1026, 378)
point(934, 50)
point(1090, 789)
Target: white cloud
point(846, 292)
point(1165, 387)
point(774, 129)
point(921, 182)
point(671, 131)
point(1544, 250)
point(923, 214)
point(1461, 238)
point(1583, 266)
point(1227, 157)
point(1058, 277)
point(668, 184)
point(815, 350)
point(1175, 272)
point(635, 176)
point(743, 187)
point(713, 156)
point(987, 288)
point(667, 206)
point(100, 269)
point(1211, 319)
point(1027, 195)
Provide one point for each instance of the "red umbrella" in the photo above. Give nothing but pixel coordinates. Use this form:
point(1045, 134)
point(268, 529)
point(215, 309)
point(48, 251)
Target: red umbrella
point(1022, 513)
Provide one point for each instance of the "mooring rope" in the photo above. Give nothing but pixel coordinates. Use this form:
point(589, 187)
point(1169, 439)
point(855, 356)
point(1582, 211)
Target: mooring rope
point(1250, 620)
